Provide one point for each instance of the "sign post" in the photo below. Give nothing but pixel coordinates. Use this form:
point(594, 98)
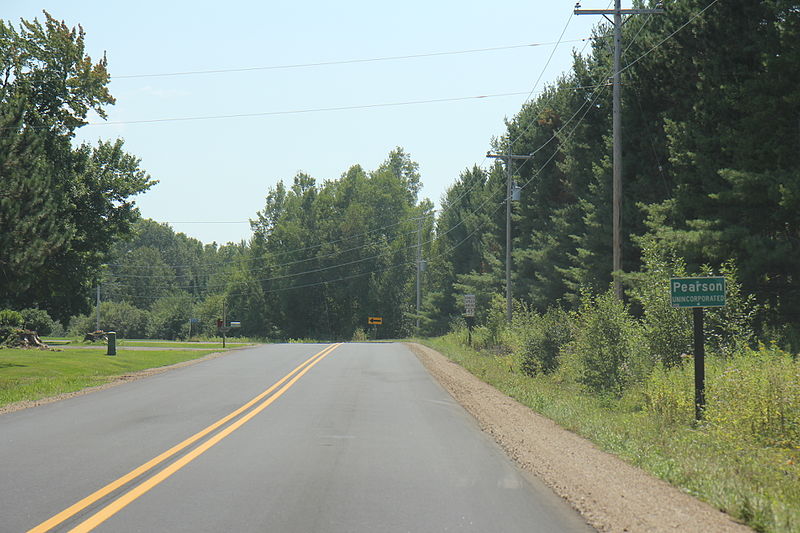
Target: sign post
point(697, 294)
point(375, 321)
point(469, 315)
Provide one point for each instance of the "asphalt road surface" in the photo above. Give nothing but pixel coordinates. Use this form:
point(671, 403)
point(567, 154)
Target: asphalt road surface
point(350, 438)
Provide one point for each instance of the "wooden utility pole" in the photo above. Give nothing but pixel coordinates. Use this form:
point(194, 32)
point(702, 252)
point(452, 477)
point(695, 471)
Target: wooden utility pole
point(617, 128)
point(419, 268)
point(508, 157)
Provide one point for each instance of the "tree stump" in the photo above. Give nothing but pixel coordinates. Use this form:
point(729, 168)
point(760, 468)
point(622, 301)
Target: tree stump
point(94, 336)
point(25, 338)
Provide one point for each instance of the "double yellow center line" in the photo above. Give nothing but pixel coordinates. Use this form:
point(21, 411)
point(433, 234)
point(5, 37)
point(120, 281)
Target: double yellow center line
point(122, 501)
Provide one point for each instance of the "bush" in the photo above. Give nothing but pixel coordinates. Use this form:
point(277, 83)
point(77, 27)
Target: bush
point(128, 321)
point(359, 335)
point(495, 321)
point(609, 345)
point(169, 318)
point(669, 393)
point(38, 320)
point(730, 328)
point(755, 395)
point(667, 330)
point(543, 341)
point(9, 322)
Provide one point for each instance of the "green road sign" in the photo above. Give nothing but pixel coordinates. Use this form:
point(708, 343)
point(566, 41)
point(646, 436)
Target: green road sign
point(697, 292)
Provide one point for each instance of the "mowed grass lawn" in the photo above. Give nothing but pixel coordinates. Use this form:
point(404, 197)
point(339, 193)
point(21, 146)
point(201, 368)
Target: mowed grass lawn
point(37, 374)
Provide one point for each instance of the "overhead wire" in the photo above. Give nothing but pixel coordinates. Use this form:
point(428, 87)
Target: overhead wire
point(555, 43)
point(335, 62)
point(572, 131)
point(429, 241)
point(488, 199)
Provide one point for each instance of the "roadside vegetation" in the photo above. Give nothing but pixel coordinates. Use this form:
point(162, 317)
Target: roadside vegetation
point(712, 96)
point(626, 382)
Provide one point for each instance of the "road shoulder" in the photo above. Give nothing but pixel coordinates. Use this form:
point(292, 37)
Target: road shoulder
point(610, 494)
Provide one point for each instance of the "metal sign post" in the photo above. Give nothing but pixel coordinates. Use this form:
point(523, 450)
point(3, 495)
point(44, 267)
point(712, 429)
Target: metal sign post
point(375, 321)
point(469, 315)
point(697, 294)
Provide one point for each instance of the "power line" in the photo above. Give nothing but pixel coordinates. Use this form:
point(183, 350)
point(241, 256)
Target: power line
point(589, 101)
point(586, 104)
point(302, 111)
point(595, 87)
point(668, 37)
point(336, 62)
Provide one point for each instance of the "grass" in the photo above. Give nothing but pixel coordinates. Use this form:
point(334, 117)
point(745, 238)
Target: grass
point(758, 485)
point(156, 343)
point(35, 374)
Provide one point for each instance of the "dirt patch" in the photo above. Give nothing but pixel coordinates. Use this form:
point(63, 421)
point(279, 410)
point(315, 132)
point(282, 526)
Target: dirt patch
point(609, 493)
point(116, 380)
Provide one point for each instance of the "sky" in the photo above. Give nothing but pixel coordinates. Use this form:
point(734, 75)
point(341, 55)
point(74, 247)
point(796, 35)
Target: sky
point(214, 173)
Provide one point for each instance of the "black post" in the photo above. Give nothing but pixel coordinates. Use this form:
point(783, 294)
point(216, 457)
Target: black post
point(699, 365)
point(470, 324)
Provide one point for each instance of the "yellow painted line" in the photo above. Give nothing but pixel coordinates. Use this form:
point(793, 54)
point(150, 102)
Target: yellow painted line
point(133, 474)
point(120, 503)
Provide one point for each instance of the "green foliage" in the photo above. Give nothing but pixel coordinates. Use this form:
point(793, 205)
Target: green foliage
point(609, 345)
point(669, 392)
point(38, 320)
point(169, 318)
point(128, 321)
point(9, 322)
point(61, 207)
point(495, 321)
point(359, 335)
point(324, 257)
point(544, 339)
point(731, 327)
point(667, 330)
point(755, 395)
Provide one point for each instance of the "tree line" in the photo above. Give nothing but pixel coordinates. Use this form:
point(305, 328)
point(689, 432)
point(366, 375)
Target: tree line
point(711, 107)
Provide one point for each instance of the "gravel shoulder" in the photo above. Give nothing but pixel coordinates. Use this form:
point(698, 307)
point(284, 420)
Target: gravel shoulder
point(609, 493)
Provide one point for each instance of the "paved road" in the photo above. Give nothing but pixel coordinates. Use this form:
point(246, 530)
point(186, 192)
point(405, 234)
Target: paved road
point(360, 438)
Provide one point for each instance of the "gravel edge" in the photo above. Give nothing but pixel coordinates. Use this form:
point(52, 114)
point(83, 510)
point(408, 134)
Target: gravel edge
point(609, 493)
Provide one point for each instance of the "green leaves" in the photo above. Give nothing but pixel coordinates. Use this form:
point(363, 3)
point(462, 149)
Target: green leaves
point(61, 208)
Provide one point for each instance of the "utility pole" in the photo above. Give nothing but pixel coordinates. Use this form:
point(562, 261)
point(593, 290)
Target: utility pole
point(224, 320)
point(616, 128)
point(419, 267)
point(508, 157)
point(97, 325)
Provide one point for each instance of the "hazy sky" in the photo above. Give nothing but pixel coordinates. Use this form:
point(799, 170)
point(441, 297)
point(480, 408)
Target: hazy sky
point(215, 173)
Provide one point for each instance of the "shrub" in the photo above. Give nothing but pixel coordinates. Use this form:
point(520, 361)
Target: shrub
point(608, 344)
point(669, 393)
point(667, 330)
point(9, 322)
point(544, 339)
point(38, 320)
point(123, 318)
point(495, 321)
point(128, 321)
point(755, 395)
point(169, 318)
point(730, 328)
point(359, 335)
